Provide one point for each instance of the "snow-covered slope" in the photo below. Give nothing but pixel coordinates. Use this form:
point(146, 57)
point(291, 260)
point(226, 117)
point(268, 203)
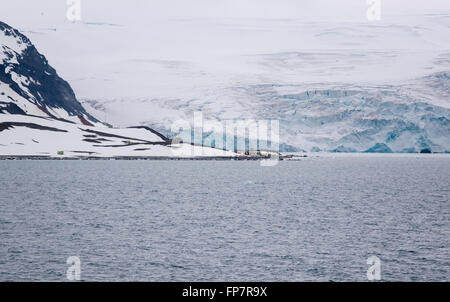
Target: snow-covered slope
point(22, 135)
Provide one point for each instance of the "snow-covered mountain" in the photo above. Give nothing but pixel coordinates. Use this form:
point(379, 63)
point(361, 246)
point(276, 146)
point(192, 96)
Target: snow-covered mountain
point(336, 83)
point(29, 85)
point(40, 115)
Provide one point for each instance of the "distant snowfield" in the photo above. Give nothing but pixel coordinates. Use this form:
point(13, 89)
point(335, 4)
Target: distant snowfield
point(378, 82)
point(199, 58)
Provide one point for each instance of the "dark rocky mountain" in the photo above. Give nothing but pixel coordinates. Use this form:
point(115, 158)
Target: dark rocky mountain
point(26, 76)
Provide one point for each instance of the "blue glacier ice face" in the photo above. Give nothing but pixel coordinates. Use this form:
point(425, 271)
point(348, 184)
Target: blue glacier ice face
point(379, 148)
point(343, 149)
point(349, 118)
point(377, 119)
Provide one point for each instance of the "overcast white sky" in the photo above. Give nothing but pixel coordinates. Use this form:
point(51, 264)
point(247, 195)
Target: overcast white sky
point(52, 12)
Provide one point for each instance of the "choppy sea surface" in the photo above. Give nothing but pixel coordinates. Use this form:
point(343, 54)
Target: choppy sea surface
point(317, 219)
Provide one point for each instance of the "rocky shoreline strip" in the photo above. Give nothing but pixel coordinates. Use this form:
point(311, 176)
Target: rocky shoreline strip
point(220, 158)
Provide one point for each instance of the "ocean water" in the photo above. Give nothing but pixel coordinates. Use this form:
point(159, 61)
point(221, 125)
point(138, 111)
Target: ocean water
point(317, 219)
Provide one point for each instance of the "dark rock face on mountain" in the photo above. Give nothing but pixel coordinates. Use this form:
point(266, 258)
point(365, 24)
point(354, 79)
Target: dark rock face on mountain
point(28, 74)
point(10, 108)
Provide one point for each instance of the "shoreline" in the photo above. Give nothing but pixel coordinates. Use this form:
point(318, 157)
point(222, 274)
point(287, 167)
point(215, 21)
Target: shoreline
point(208, 158)
point(283, 157)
